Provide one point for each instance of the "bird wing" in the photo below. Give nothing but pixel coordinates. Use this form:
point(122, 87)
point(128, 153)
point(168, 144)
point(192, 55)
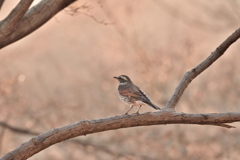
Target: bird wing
point(143, 96)
point(129, 94)
point(136, 93)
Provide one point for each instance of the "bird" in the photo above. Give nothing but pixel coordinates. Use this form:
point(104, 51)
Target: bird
point(132, 95)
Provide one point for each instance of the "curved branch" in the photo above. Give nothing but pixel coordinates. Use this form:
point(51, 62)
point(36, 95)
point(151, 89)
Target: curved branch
point(190, 75)
point(85, 127)
point(33, 19)
point(78, 142)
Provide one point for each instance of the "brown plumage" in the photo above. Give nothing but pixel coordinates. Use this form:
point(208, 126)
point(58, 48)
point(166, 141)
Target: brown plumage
point(131, 94)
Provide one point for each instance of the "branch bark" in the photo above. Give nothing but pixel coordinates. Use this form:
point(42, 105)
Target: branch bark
point(78, 142)
point(34, 18)
point(9, 24)
point(190, 75)
point(85, 127)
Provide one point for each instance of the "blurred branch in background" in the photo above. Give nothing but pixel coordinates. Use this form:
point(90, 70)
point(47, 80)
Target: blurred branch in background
point(84, 9)
point(17, 129)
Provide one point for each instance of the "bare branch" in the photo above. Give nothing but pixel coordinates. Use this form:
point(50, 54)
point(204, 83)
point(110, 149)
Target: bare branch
point(33, 19)
point(85, 127)
point(73, 141)
point(190, 75)
point(8, 25)
point(84, 10)
point(95, 19)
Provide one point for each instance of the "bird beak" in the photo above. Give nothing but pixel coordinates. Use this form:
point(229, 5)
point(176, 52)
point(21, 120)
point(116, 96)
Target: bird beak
point(116, 77)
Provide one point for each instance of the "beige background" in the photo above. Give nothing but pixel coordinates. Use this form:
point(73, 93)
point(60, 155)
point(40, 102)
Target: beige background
point(63, 73)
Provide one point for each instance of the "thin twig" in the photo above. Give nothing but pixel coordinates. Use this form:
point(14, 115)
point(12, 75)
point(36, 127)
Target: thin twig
point(84, 10)
point(95, 19)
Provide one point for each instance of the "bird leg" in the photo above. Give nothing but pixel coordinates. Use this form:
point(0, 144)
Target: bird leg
point(131, 106)
point(139, 109)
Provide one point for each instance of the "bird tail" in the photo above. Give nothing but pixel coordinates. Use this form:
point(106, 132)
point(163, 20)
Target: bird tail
point(153, 105)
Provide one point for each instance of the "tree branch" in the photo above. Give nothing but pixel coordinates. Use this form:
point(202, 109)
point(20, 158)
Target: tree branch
point(85, 127)
point(190, 75)
point(32, 20)
point(8, 25)
point(103, 148)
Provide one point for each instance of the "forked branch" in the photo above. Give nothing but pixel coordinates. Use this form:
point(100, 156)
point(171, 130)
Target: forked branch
point(190, 75)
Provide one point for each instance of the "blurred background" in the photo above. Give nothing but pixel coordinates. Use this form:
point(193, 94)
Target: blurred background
point(63, 73)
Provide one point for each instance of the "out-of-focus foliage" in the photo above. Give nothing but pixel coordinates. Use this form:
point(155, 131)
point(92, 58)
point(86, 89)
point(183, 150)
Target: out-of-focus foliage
point(63, 73)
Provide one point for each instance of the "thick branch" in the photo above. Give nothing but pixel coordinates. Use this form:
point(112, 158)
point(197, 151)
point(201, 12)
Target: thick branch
point(190, 75)
point(33, 19)
point(74, 141)
point(85, 127)
point(9, 24)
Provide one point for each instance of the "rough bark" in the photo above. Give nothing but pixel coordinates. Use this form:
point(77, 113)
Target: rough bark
point(85, 127)
point(9, 24)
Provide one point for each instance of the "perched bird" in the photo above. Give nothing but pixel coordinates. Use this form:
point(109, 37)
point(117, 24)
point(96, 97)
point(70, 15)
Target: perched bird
point(131, 94)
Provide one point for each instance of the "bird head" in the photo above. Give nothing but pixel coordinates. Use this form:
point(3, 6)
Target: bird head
point(123, 79)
